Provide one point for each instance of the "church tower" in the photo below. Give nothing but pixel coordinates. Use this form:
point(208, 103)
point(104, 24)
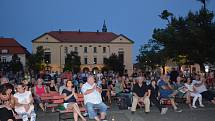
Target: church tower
point(104, 28)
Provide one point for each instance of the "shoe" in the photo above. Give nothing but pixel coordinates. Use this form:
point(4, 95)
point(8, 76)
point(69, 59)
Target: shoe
point(132, 112)
point(146, 112)
point(85, 114)
point(202, 106)
point(194, 106)
point(163, 111)
point(178, 110)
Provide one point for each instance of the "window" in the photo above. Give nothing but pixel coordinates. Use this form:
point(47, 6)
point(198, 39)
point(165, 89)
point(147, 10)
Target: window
point(76, 49)
point(85, 60)
point(104, 49)
point(85, 49)
point(95, 61)
point(94, 49)
point(121, 56)
point(47, 57)
point(4, 59)
point(66, 50)
point(104, 59)
point(4, 51)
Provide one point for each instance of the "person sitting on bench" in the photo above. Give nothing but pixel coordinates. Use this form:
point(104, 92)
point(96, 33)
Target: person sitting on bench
point(140, 94)
point(70, 100)
point(93, 99)
point(167, 92)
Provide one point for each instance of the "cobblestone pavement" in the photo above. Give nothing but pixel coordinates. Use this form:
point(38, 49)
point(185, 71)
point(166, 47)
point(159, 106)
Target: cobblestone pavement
point(114, 114)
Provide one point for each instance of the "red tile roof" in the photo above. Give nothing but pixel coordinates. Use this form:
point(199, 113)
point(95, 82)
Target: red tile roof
point(12, 46)
point(83, 37)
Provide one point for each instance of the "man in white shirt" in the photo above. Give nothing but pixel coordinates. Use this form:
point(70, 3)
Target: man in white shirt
point(93, 99)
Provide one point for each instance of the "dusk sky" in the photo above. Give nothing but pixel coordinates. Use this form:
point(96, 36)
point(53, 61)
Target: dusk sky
point(25, 20)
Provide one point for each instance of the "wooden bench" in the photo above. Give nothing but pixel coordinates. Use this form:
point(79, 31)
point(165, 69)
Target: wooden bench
point(67, 114)
point(52, 100)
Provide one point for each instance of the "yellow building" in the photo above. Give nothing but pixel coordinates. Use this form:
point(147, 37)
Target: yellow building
point(92, 47)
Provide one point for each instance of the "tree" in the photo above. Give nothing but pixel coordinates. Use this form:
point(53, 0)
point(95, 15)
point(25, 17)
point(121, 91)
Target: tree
point(191, 37)
point(72, 62)
point(114, 63)
point(35, 61)
point(204, 3)
point(165, 15)
point(150, 56)
point(15, 64)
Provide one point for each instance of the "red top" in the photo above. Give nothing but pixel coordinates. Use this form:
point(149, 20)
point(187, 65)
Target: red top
point(40, 91)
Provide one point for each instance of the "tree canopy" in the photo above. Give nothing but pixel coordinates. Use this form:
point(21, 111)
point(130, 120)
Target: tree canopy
point(35, 60)
point(188, 39)
point(114, 63)
point(72, 62)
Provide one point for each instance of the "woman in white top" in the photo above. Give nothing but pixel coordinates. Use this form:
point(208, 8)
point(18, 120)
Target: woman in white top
point(24, 103)
point(191, 89)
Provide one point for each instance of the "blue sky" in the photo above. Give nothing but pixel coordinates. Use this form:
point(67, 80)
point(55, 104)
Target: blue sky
point(25, 20)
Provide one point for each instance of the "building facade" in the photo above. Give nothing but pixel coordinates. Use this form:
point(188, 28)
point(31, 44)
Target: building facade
point(92, 47)
point(9, 47)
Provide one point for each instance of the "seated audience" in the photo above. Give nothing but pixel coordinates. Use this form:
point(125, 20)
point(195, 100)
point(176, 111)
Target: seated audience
point(201, 88)
point(6, 112)
point(154, 97)
point(193, 93)
point(24, 103)
point(70, 100)
point(141, 94)
point(167, 92)
point(39, 89)
point(52, 87)
point(105, 92)
point(62, 87)
point(93, 99)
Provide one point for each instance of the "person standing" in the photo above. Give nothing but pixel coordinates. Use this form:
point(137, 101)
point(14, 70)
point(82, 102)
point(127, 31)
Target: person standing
point(93, 99)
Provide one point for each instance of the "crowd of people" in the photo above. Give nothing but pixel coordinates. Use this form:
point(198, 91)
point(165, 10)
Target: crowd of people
point(19, 100)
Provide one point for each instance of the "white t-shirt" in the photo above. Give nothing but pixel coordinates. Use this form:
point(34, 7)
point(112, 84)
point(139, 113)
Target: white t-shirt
point(94, 97)
point(189, 86)
point(23, 98)
point(201, 88)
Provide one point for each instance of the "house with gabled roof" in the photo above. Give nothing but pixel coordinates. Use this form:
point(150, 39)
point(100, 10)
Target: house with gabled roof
point(9, 47)
point(92, 47)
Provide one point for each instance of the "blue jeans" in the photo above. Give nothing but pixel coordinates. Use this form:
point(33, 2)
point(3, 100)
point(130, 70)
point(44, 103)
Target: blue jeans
point(91, 109)
point(25, 116)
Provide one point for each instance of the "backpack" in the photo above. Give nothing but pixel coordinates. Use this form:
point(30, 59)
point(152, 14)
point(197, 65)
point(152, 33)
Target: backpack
point(122, 103)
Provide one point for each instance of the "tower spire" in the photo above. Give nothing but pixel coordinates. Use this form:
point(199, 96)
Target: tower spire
point(104, 28)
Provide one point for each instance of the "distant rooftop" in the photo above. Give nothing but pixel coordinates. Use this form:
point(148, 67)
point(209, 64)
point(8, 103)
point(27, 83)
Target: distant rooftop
point(83, 37)
point(12, 46)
